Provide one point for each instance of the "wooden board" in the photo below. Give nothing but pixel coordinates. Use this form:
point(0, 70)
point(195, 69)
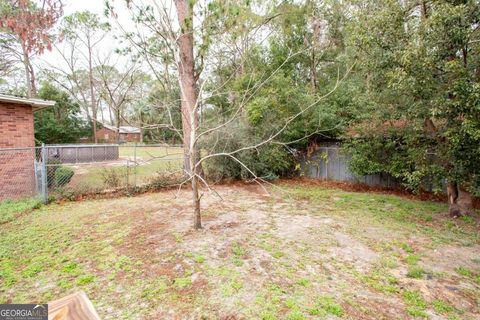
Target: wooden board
point(76, 306)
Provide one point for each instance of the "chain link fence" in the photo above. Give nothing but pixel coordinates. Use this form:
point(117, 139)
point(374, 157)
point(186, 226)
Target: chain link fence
point(69, 171)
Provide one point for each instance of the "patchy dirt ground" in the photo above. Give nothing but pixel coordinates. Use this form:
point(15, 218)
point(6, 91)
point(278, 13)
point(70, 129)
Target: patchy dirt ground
point(300, 252)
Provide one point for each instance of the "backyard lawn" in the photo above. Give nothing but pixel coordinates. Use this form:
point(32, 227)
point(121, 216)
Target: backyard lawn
point(300, 252)
point(150, 160)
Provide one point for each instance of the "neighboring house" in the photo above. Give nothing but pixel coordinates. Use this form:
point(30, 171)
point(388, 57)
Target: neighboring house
point(17, 155)
point(127, 134)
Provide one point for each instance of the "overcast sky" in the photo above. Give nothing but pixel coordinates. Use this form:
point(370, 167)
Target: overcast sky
point(94, 6)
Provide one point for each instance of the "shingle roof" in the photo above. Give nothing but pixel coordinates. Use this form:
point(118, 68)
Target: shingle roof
point(123, 129)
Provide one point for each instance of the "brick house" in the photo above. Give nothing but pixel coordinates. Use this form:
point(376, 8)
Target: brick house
point(108, 134)
point(17, 155)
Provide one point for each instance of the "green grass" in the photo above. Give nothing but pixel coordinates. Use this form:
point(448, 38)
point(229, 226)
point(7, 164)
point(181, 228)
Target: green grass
point(412, 259)
point(155, 159)
point(182, 282)
point(199, 259)
point(85, 279)
point(132, 255)
point(238, 250)
point(381, 280)
point(442, 307)
point(326, 306)
point(415, 272)
point(391, 212)
point(407, 248)
point(464, 271)
point(9, 209)
point(416, 305)
point(151, 161)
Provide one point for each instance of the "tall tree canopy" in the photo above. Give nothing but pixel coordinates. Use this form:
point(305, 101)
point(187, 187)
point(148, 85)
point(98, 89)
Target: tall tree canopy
point(26, 30)
point(61, 123)
point(421, 65)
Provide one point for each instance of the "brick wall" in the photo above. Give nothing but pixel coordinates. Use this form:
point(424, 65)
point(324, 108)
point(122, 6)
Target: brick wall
point(130, 137)
point(106, 135)
point(17, 173)
point(110, 136)
point(16, 126)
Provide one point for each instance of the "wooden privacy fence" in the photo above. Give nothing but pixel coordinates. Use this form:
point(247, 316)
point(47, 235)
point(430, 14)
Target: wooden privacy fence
point(331, 163)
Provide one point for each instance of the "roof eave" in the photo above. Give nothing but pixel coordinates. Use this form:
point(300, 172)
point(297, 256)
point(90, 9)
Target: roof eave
point(36, 104)
point(38, 108)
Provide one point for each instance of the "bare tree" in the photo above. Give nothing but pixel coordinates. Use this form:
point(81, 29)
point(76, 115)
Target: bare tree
point(117, 88)
point(9, 56)
point(177, 35)
point(83, 32)
point(190, 102)
point(25, 31)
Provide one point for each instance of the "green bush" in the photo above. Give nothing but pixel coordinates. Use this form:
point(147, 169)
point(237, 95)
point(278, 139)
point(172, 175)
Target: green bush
point(268, 162)
point(52, 167)
point(63, 175)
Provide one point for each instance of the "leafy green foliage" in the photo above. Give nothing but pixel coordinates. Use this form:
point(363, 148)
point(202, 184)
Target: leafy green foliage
point(422, 86)
point(279, 93)
point(266, 162)
point(63, 175)
point(61, 123)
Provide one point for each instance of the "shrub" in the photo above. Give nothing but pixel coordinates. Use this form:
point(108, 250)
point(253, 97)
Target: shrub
point(52, 167)
point(163, 179)
point(268, 162)
point(63, 175)
point(112, 177)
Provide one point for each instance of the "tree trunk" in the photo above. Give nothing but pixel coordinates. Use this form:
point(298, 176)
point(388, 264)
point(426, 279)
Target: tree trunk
point(92, 93)
point(197, 216)
point(188, 83)
point(313, 63)
point(460, 201)
point(29, 74)
point(188, 86)
point(94, 125)
point(117, 114)
point(141, 127)
point(102, 115)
